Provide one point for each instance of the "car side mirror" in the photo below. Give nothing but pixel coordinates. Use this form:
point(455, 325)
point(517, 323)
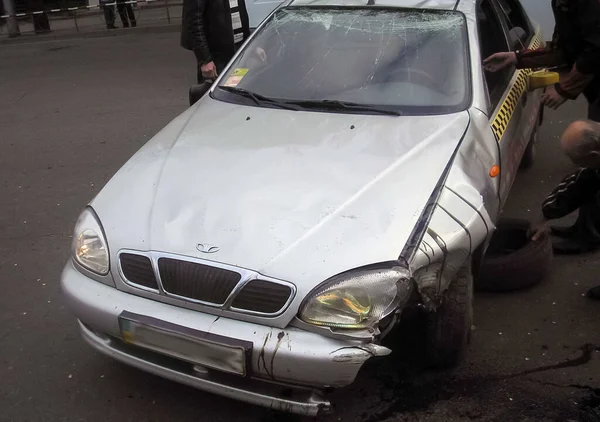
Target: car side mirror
point(517, 36)
point(542, 79)
point(197, 91)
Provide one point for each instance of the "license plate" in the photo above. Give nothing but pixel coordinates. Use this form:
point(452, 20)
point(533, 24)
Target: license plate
point(210, 350)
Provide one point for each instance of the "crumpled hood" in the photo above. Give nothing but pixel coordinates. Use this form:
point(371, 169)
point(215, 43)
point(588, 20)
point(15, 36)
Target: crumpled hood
point(299, 196)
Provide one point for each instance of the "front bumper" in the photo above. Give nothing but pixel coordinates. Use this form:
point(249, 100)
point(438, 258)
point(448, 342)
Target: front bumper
point(288, 366)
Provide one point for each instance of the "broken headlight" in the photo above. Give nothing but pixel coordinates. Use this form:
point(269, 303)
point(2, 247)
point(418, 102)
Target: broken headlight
point(357, 299)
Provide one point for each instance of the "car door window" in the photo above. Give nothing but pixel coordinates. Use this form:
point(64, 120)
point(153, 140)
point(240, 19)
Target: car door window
point(492, 39)
point(519, 25)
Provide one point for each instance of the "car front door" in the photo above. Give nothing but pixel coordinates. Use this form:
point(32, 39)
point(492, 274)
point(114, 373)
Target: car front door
point(522, 35)
point(510, 105)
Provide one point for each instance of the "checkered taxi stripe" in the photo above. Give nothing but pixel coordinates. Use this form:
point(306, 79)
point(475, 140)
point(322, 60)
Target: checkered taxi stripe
point(516, 90)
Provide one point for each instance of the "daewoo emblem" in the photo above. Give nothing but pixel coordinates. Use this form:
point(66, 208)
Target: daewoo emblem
point(206, 248)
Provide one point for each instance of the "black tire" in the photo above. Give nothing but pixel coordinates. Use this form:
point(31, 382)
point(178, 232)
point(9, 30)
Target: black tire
point(513, 261)
point(530, 152)
point(449, 327)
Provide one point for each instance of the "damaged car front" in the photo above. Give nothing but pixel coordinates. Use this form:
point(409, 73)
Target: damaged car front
point(262, 243)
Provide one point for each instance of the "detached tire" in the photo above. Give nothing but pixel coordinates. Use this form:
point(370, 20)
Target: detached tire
point(449, 327)
point(513, 261)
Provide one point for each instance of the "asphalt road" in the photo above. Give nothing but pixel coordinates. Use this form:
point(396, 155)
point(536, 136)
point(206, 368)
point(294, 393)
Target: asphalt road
point(72, 112)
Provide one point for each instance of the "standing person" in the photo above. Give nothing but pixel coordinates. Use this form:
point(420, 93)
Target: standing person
point(41, 23)
point(575, 44)
point(128, 17)
point(109, 13)
point(213, 30)
point(579, 190)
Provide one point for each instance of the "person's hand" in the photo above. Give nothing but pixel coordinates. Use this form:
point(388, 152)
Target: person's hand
point(552, 99)
point(209, 70)
point(539, 228)
point(499, 61)
point(260, 53)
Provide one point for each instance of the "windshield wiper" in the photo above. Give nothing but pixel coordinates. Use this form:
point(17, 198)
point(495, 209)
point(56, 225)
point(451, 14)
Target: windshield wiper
point(344, 105)
point(258, 98)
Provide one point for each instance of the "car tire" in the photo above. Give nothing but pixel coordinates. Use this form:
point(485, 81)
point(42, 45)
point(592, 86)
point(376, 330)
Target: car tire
point(513, 261)
point(530, 152)
point(449, 327)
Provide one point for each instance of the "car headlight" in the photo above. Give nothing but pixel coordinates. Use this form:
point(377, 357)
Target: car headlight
point(357, 299)
point(89, 244)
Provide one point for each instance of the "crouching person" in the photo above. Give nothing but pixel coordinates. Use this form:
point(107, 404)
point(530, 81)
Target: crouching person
point(579, 190)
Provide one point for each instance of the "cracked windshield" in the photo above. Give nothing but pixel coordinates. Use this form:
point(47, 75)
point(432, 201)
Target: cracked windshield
point(413, 61)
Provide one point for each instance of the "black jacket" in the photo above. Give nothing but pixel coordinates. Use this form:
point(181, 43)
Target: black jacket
point(575, 44)
point(206, 29)
point(574, 191)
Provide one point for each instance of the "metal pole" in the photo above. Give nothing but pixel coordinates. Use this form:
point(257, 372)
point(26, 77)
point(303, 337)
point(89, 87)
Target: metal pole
point(75, 20)
point(13, 24)
point(168, 13)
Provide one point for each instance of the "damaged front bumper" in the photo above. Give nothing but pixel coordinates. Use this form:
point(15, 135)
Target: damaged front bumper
point(285, 369)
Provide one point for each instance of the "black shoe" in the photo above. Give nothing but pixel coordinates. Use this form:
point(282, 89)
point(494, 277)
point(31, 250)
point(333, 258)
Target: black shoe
point(111, 27)
point(133, 24)
point(594, 293)
point(564, 232)
point(573, 246)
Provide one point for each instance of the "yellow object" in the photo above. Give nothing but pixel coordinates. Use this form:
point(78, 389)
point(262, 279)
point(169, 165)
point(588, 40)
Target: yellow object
point(240, 71)
point(541, 79)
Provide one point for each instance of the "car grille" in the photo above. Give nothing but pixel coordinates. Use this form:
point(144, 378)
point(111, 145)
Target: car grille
point(197, 281)
point(262, 296)
point(200, 282)
point(137, 269)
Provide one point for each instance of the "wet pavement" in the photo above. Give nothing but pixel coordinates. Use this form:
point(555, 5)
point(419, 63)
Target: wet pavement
point(72, 112)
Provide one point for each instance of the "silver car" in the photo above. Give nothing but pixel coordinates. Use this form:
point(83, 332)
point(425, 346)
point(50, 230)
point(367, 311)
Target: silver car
point(348, 165)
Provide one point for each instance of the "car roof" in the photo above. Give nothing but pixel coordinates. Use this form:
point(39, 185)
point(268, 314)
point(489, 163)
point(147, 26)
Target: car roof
point(465, 6)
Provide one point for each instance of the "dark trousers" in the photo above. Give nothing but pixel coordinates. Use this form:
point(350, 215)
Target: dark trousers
point(109, 16)
point(41, 23)
point(592, 95)
point(594, 109)
point(588, 221)
point(126, 13)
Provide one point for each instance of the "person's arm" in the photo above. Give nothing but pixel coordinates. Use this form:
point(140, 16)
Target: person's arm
point(570, 194)
point(548, 56)
point(195, 29)
point(588, 61)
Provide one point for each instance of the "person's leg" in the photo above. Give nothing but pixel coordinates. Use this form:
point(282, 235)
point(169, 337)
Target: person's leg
point(131, 15)
point(46, 22)
point(585, 233)
point(37, 26)
point(122, 14)
point(109, 16)
point(594, 110)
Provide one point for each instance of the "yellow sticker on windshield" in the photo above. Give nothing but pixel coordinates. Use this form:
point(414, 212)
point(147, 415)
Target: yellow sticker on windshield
point(239, 72)
point(236, 77)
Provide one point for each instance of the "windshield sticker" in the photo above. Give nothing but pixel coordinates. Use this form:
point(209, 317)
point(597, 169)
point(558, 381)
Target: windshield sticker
point(239, 72)
point(236, 77)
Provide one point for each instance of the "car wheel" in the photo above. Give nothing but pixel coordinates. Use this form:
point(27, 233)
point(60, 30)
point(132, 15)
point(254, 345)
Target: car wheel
point(530, 151)
point(449, 327)
point(513, 261)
